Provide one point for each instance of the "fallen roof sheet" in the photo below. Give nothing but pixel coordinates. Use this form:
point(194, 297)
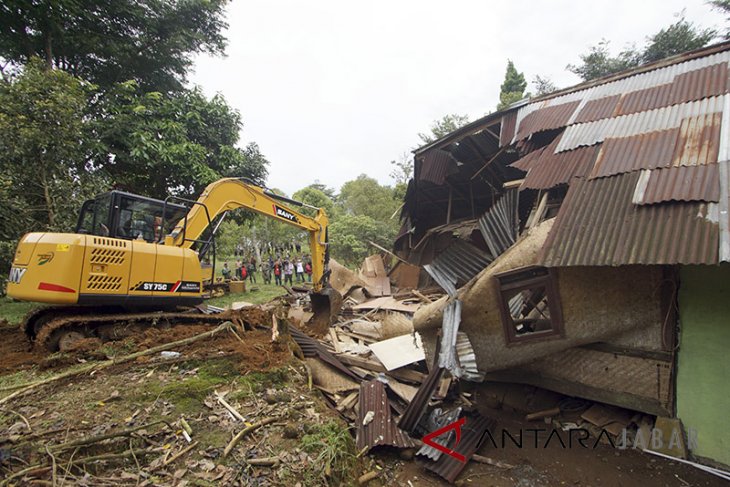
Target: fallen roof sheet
point(375, 424)
point(436, 166)
point(460, 260)
point(500, 223)
point(686, 183)
point(311, 348)
point(473, 433)
point(599, 225)
point(388, 303)
point(417, 407)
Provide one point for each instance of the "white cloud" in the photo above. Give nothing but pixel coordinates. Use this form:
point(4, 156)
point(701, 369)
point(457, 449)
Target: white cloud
point(333, 89)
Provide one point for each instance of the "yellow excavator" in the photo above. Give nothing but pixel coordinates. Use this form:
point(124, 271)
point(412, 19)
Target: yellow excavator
point(136, 261)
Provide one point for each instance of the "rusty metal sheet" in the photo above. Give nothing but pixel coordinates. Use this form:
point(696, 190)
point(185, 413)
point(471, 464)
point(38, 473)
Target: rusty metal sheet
point(599, 225)
point(473, 434)
point(598, 109)
point(436, 165)
point(699, 140)
point(554, 169)
point(646, 99)
point(700, 83)
point(685, 183)
point(507, 129)
point(376, 425)
point(417, 407)
point(547, 118)
point(525, 163)
point(626, 154)
point(637, 123)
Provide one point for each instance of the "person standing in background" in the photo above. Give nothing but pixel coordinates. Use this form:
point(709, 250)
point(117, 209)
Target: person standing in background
point(288, 272)
point(277, 272)
point(300, 270)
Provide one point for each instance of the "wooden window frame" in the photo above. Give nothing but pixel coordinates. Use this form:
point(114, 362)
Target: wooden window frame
point(527, 278)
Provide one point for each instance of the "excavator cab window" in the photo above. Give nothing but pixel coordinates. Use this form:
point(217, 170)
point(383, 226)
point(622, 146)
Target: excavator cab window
point(128, 216)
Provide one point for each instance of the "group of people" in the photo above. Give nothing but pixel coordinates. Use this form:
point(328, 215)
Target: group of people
point(284, 270)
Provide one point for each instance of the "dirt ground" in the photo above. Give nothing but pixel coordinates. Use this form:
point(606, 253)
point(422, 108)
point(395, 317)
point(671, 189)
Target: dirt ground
point(260, 381)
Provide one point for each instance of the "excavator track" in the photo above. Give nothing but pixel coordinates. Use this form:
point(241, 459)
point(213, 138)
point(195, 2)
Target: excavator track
point(57, 328)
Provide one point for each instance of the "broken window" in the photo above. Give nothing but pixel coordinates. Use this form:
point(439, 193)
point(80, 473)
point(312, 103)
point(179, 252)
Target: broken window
point(530, 304)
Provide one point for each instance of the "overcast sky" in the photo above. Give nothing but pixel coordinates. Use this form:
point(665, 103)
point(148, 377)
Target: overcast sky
point(333, 89)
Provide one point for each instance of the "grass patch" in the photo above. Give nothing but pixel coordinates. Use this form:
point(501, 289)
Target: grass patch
point(257, 382)
point(187, 394)
point(334, 452)
point(14, 311)
point(264, 294)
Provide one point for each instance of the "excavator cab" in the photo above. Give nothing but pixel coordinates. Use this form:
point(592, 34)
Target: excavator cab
point(118, 214)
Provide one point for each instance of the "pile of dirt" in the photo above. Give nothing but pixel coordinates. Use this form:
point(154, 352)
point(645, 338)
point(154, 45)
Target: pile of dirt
point(16, 352)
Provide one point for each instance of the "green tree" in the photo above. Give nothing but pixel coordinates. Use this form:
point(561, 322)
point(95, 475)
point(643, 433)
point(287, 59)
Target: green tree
point(402, 169)
point(543, 85)
point(682, 36)
point(350, 234)
point(679, 37)
point(313, 196)
point(111, 41)
point(365, 196)
point(157, 144)
point(44, 140)
point(444, 126)
point(512, 88)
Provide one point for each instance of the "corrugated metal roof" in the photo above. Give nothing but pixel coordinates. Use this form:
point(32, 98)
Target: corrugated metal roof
point(473, 433)
point(499, 225)
point(417, 407)
point(312, 348)
point(599, 225)
point(646, 99)
point(436, 166)
point(381, 429)
point(526, 162)
point(699, 140)
point(711, 80)
point(460, 262)
point(598, 109)
point(507, 129)
point(467, 358)
point(547, 118)
point(437, 420)
point(685, 183)
point(695, 142)
point(626, 154)
point(554, 169)
point(449, 331)
point(637, 123)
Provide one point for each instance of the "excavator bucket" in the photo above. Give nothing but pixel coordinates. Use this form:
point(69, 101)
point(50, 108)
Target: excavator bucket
point(326, 305)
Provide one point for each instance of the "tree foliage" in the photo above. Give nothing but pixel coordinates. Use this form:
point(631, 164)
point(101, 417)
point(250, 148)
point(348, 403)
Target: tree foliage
point(112, 41)
point(543, 85)
point(156, 144)
point(444, 126)
point(679, 37)
point(724, 7)
point(512, 88)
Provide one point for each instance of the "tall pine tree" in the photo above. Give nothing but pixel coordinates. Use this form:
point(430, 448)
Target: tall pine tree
point(513, 87)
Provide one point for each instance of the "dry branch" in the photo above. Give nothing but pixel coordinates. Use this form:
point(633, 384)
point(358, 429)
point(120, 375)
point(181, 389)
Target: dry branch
point(244, 432)
point(96, 439)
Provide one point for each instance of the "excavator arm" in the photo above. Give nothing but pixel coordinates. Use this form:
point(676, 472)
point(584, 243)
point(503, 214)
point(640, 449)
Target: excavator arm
point(232, 193)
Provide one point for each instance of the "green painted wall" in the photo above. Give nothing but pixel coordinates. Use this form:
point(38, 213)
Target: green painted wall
point(703, 376)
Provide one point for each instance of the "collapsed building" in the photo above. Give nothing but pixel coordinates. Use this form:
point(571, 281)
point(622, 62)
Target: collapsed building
point(583, 240)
